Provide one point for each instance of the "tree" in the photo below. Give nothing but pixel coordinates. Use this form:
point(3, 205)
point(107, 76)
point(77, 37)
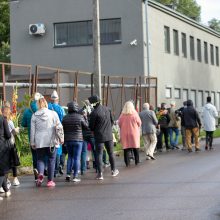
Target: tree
point(214, 24)
point(190, 8)
point(4, 31)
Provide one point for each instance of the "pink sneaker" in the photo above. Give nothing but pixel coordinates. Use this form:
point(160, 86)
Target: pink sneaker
point(40, 180)
point(51, 183)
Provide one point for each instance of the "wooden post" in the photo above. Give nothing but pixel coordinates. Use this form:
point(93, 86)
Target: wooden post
point(3, 80)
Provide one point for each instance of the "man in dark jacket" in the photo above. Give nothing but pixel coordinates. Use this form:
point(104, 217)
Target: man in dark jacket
point(101, 124)
point(192, 124)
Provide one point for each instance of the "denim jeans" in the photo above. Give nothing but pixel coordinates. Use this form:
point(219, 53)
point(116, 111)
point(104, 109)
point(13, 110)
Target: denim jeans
point(99, 153)
point(74, 149)
point(43, 153)
point(84, 156)
point(174, 142)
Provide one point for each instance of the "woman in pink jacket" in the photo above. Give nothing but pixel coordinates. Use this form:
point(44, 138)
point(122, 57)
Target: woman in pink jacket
point(129, 123)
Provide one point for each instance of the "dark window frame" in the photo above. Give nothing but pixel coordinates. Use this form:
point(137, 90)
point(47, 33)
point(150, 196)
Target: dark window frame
point(212, 57)
point(176, 42)
point(206, 56)
point(199, 50)
point(88, 33)
point(167, 39)
point(217, 55)
point(192, 48)
point(184, 45)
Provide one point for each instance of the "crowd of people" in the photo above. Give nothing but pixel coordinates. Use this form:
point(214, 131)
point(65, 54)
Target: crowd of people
point(86, 134)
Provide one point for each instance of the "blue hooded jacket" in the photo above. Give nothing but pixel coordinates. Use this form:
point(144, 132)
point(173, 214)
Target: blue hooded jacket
point(26, 120)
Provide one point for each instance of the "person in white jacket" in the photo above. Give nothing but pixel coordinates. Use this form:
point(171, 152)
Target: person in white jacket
point(43, 128)
point(209, 115)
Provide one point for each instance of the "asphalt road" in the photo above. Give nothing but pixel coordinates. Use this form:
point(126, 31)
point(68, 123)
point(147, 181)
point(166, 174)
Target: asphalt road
point(177, 186)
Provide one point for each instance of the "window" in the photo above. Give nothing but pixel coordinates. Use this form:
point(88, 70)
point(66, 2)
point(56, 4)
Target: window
point(80, 33)
point(177, 93)
point(200, 99)
point(206, 52)
point(212, 54)
point(184, 45)
point(185, 95)
point(192, 48)
point(199, 54)
point(176, 42)
point(213, 97)
point(193, 97)
point(168, 93)
point(167, 39)
point(218, 101)
point(217, 56)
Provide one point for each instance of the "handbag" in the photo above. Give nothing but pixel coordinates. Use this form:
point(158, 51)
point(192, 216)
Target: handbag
point(15, 161)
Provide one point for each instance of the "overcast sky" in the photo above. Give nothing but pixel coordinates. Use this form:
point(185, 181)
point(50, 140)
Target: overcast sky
point(209, 9)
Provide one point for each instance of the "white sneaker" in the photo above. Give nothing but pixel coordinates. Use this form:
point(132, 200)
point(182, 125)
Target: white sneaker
point(76, 180)
point(7, 194)
point(115, 172)
point(1, 198)
point(2, 190)
point(16, 182)
point(8, 184)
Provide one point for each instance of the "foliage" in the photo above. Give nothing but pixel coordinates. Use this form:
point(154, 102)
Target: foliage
point(4, 31)
point(214, 24)
point(21, 139)
point(4, 21)
point(190, 8)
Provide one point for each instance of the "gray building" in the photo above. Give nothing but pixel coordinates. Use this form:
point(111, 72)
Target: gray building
point(184, 55)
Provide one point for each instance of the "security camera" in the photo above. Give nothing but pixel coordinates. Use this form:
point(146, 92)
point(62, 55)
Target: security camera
point(134, 42)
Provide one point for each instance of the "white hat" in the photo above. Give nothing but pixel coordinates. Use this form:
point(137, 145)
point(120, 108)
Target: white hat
point(37, 96)
point(54, 95)
point(172, 103)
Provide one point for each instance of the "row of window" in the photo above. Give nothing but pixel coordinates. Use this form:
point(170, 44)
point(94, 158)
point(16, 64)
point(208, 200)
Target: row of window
point(197, 96)
point(213, 50)
point(80, 33)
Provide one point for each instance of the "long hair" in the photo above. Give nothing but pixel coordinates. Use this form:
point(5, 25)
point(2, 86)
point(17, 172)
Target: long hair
point(42, 103)
point(128, 108)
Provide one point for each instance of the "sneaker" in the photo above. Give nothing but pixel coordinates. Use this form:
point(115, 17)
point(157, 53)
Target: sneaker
point(206, 147)
point(7, 194)
point(107, 165)
point(16, 182)
point(99, 176)
point(190, 150)
point(40, 180)
point(61, 170)
point(115, 172)
point(51, 184)
point(152, 157)
point(1, 198)
point(183, 148)
point(2, 190)
point(76, 180)
point(8, 184)
point(35, 174)
point(198, 149)
point(67, 178)
point(148, 158)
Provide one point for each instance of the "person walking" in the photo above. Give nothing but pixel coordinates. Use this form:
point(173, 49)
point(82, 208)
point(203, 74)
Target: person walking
point(179, 112)
point(5, 151)
point(73, 124)
point(14, 131)
point(209, 115)
point(43, 129)
point(193, 125)
point(54, 105)
point(163, 121)
point(26, 123)
point(149, 123)
point(129, 123)
point(101, 123)
point(174, 126)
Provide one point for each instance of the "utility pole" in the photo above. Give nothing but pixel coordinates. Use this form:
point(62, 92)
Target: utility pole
point(96, 49)
point(146, 45)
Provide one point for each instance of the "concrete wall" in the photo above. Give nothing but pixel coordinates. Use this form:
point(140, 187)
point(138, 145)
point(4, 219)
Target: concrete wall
point(116, 59)
point(119, 59)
